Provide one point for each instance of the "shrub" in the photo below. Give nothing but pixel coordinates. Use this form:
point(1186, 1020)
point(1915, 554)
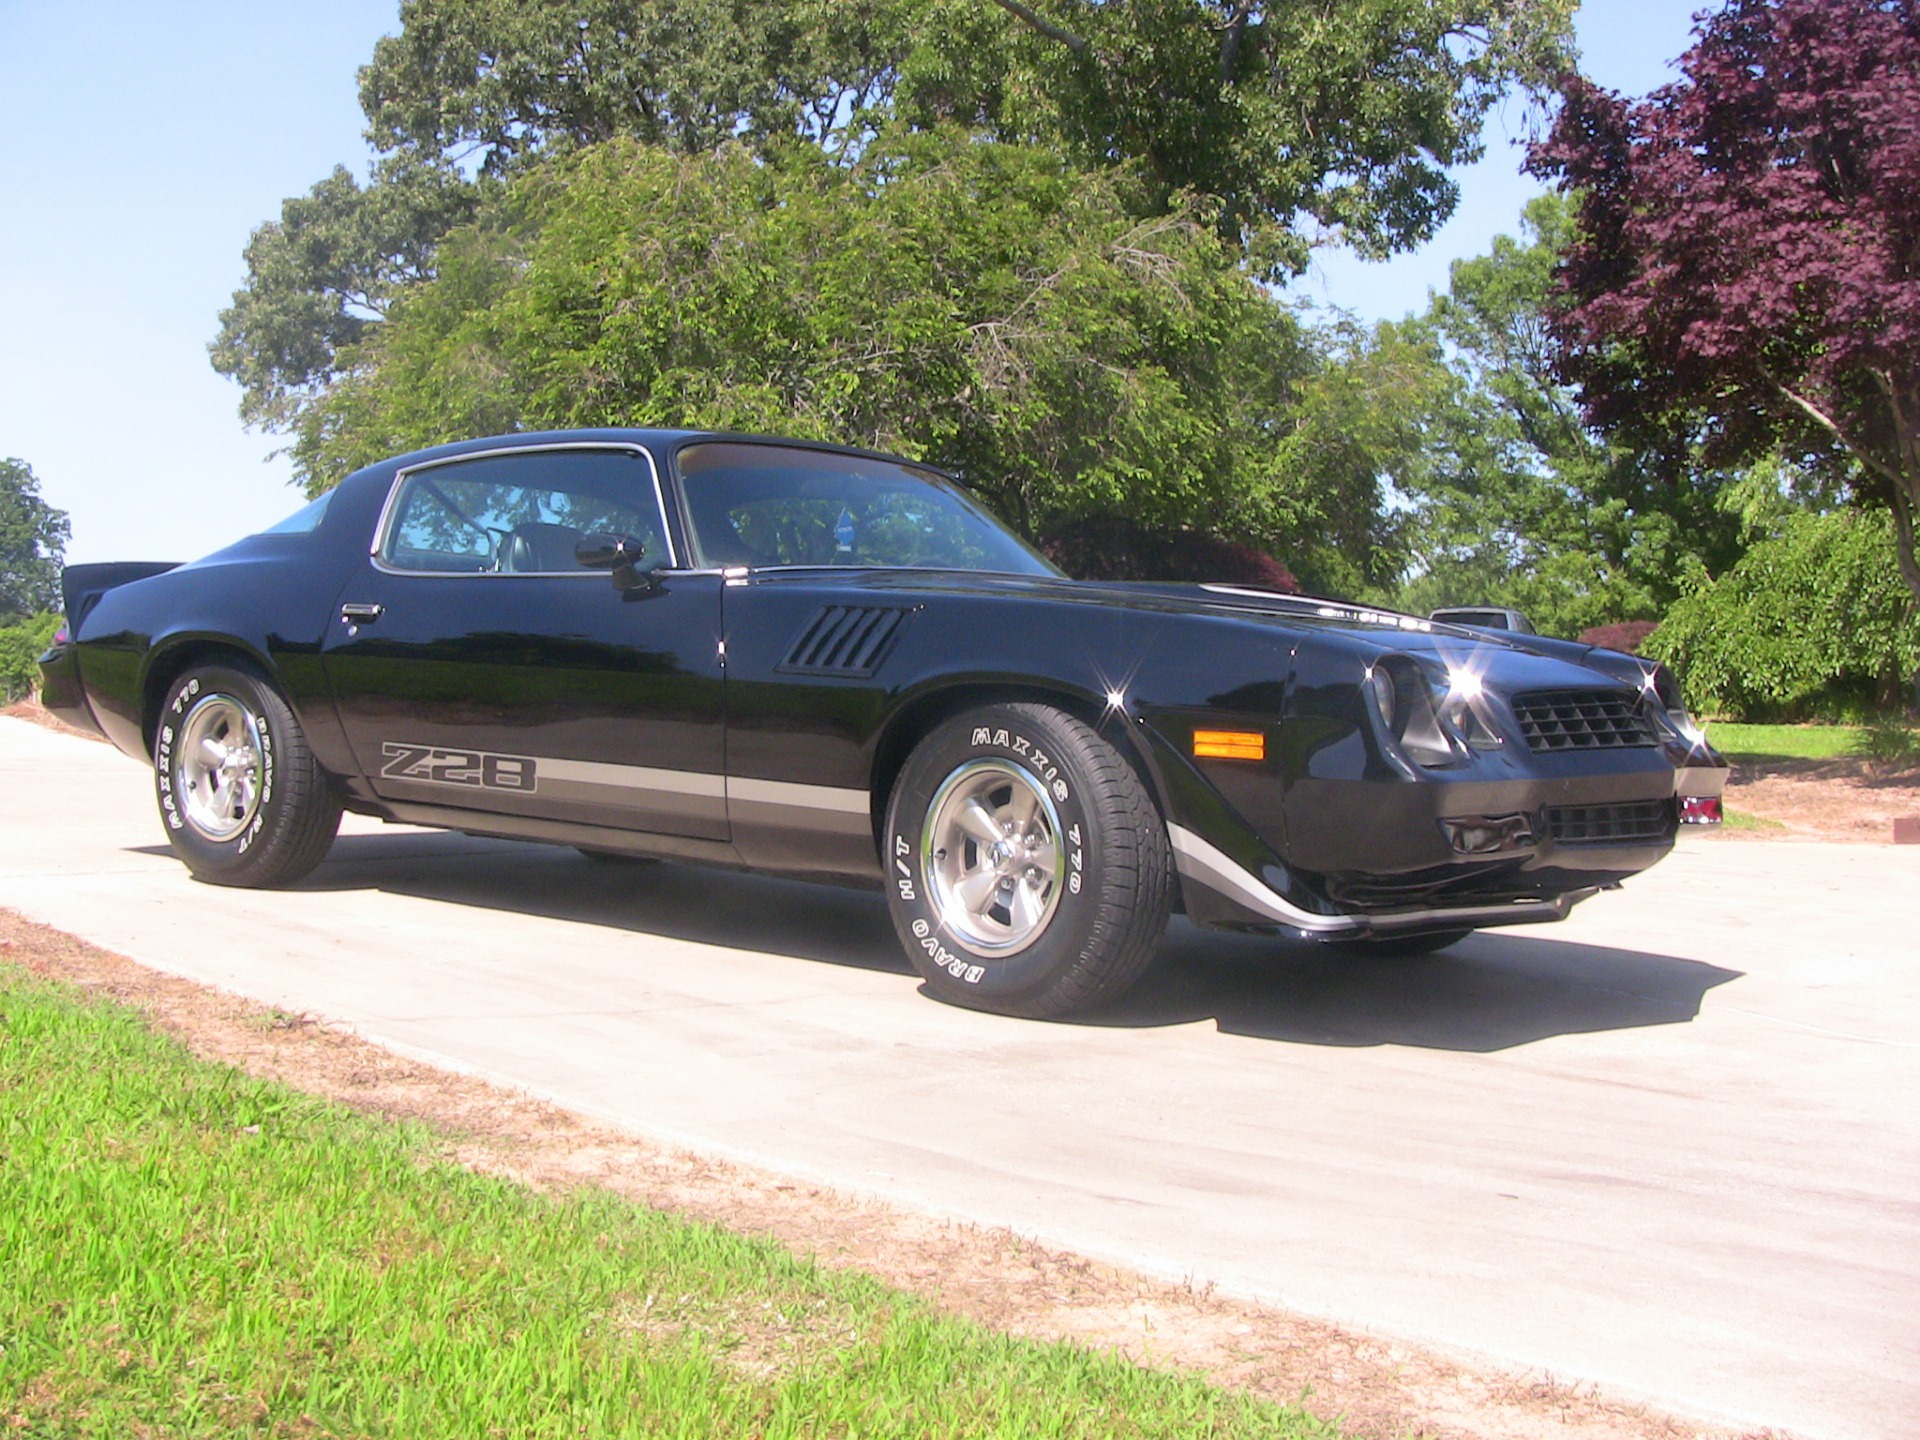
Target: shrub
point(1813, 623)
point(1888, 740)
point(20, 649)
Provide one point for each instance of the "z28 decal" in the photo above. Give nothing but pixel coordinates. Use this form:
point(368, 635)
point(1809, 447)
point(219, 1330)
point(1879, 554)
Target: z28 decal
point(458, 767)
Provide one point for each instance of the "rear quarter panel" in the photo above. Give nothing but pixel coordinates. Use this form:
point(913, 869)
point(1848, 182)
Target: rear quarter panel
point(268, 598)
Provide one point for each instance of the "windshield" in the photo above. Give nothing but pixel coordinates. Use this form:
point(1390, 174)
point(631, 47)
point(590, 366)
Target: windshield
point(764, 505)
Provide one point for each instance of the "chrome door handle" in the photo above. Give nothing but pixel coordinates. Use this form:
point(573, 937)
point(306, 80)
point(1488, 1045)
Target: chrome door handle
point(355, 613)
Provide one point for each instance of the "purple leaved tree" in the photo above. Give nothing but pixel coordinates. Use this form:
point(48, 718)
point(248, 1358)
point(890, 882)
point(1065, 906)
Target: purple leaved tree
point(1748, 269)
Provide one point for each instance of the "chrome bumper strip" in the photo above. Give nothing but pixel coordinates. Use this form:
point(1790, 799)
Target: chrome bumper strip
point(1202, 863)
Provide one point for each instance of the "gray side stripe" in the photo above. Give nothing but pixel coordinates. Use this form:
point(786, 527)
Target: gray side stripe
point(800, 797)
point(633, 777)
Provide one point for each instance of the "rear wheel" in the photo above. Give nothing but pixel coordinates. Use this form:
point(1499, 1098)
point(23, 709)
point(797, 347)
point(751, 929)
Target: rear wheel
point(242, 797)
point(1028, 871)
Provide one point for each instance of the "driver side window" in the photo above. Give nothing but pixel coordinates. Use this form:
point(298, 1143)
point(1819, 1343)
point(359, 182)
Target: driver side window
point(521, 513)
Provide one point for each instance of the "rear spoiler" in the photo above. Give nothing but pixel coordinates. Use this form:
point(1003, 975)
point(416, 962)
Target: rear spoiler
point(81, 586)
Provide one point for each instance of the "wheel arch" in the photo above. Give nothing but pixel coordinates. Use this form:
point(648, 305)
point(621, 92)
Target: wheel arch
point(173, 657)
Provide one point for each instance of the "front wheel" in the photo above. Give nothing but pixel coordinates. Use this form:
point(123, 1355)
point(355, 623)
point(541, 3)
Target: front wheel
point(1028, 871)
point(243, 799)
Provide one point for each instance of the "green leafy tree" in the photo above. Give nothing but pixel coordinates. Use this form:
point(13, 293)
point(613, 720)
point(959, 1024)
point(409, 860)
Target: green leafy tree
point(1499, 493)
point(1356, 423)
point(1344, 114)
point(332, 266)
point(1316, 121)
point(980, 305)
point(495, 83)
point(33, 540)
point(1745, 267)
point(1814, 622)
point(21, 647)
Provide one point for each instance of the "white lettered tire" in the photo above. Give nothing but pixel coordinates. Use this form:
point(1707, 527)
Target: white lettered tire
point(241, 796)
point(1027, 869)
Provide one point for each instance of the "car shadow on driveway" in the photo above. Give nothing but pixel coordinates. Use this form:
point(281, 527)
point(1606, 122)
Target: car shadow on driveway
point(1493, 991)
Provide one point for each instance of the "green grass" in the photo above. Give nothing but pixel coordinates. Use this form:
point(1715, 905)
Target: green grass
point(185, 1251)
point(1740, 822)
point(1807, 742)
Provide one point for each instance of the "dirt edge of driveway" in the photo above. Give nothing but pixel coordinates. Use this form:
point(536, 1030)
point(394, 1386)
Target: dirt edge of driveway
point(1376, 1386)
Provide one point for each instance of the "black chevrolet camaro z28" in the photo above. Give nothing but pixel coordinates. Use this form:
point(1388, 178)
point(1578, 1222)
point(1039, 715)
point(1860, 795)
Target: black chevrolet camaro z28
point(832, 664)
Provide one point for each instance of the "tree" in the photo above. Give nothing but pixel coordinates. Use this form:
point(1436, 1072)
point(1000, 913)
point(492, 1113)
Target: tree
point(1747, 270)
point(21, 647)
point(1292, 126)
point(1345, 115)
point(495, 83)
point(984, 306)
point(1498, 492)
point(1812, 623)
point(329, 268)
point(33, 540)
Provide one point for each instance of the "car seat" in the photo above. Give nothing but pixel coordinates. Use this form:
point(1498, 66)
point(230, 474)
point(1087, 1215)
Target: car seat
point(537, 548)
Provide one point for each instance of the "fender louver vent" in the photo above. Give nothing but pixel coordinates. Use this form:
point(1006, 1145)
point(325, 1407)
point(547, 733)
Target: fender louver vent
point(849, 640)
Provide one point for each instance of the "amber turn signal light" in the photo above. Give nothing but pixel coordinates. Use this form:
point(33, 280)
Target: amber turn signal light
point(1230, 744)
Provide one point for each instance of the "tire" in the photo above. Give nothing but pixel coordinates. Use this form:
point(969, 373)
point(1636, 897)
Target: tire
point(1402, 947)
point(264, 815)
point(1067, 916)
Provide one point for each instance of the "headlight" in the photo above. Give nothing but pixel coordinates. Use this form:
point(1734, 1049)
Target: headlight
point(1668, 711)
point(1434, 717)
point(1380, 685)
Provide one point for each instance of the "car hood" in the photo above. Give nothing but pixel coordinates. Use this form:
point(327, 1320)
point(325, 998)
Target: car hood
point(1517, 661)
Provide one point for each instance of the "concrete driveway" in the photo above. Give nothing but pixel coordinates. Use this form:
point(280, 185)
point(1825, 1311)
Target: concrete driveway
point(1672, 1145)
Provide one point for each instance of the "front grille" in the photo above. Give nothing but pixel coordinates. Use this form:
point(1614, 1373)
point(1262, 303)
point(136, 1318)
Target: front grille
point(1610, 824)
point(1582, 720)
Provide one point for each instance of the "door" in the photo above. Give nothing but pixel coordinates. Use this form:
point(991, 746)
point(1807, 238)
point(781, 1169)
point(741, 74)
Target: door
point(478, 664)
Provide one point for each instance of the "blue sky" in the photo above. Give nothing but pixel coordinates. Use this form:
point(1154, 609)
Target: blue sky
point(144, 142)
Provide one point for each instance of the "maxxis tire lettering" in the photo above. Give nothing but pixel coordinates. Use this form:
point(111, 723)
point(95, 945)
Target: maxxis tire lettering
point(1025, 751)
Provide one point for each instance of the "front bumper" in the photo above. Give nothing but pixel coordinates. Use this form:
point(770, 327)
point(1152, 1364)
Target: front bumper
point(1248, 901)
point(1459, 850)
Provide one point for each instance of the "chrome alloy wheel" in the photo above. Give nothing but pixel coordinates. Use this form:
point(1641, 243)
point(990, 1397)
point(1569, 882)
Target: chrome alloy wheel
point(992, 857)
point(217, 767)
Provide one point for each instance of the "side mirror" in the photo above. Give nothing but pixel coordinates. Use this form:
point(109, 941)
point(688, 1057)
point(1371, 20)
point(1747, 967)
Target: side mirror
point(619, 554)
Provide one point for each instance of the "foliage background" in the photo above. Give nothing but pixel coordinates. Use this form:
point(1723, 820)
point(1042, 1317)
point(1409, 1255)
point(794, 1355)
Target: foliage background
point(1046, 244)
point(21, 646)
point(1814, 622)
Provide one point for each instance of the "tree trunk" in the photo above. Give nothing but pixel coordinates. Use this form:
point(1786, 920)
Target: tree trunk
point(1904, 481)
point(1904, 504)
